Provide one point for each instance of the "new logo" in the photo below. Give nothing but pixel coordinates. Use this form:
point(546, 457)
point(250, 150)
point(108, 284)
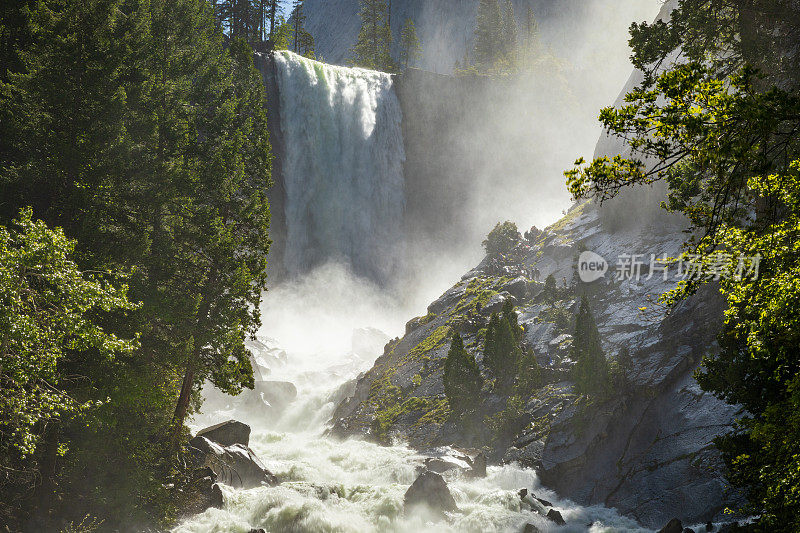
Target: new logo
point(591, 267)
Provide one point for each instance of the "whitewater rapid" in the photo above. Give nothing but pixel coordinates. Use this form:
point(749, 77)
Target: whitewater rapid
point(342, 167)
point(353, 486)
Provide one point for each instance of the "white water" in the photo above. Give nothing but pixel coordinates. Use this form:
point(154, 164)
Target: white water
point(343, 166)
point(355, 486)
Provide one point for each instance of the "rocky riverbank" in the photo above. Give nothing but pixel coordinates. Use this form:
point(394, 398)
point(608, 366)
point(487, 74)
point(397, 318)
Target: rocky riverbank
point(647, 450)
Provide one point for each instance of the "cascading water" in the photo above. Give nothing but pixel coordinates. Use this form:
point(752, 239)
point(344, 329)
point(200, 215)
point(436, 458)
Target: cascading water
point(344, 200)
point(342, 167)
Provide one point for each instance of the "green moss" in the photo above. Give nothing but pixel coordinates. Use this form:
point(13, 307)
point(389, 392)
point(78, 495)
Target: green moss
point(561, 225)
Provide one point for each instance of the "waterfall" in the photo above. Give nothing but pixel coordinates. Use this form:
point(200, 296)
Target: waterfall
point(342, 167)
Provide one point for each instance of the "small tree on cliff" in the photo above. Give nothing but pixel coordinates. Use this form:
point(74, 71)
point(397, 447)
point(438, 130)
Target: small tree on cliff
point(373, 47)
point(462, 378)
point(410, 47)
point(502, 239)
point(591, 368)
point(502, 352)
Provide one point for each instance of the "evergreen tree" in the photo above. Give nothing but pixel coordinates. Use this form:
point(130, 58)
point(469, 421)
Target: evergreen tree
point(462, 378)
point(509, 32)
point(501, 351)
point(503, 238)
point(550, 290)
point(530, 41)
point(152, 152)
point(591, 368)
point(488, 34)
point(373, 47)
point(529, 374)
point(410, 47)
point(303, 41)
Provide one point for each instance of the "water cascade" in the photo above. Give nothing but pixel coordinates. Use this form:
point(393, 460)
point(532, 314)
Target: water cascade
point(342, 167)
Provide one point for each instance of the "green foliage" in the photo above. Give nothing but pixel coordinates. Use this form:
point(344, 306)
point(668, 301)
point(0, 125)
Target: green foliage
point(373, 47)
point(410, 47)
point(550, 290)
point(529, 374)
point(498, 49)
point(48, 314)
point(509, 422)
point(462, 379)
point(502, 352)
point(137, 130)
point(502, 239)
point(591, 373)
point(723, 138)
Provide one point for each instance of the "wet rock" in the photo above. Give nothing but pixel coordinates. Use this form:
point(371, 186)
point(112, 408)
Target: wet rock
point(556, 517)
point(227, 433)
point(688, 530)
point(478, 465)
point(439, 465)
point(236, 465)
point(543, 502)
point(201, 493)
point(254, 530)
point(530, 528)
point(431, 490)
point(673, 526)
point(709, 526)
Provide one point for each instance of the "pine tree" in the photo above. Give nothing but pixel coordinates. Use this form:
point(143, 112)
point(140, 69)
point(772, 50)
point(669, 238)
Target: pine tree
point(591, 368)
point(509, 32)
point(529, 374)
point(373, 47)
point(488, 34)
point(530, 41)
point(303, 40)
point(152, 152)
point(410, 47)
point(462, 378)
point(501, 350)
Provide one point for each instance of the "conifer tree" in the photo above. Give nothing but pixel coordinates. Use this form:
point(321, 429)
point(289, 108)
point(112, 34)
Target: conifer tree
point(488, 34)
point(529, 374)
point(410, 47)
point(530, 40)
point(501, 350)
point(509, 32)
point(462, 378)
point(591, 368)
point(373, 47)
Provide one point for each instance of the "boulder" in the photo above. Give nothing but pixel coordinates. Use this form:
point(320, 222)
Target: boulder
point(673, 526)
point(530, 528)
point(543, 502)
point(478, 465)
point(518, 288)
point(495, 303)
point(201, 493)
point(236, 465)
point(555, 516)
point(431, 490)
point(439, 465)
point(227, 433)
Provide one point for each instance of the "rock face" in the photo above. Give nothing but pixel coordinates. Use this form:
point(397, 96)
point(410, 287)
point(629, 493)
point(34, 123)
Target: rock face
point(235, 465)
point(227, 433)
point(646, 451)
point(430, 490)
point(673, 526)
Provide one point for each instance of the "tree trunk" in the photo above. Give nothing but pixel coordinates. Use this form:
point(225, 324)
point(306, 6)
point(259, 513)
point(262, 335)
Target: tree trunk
point(182, 407)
